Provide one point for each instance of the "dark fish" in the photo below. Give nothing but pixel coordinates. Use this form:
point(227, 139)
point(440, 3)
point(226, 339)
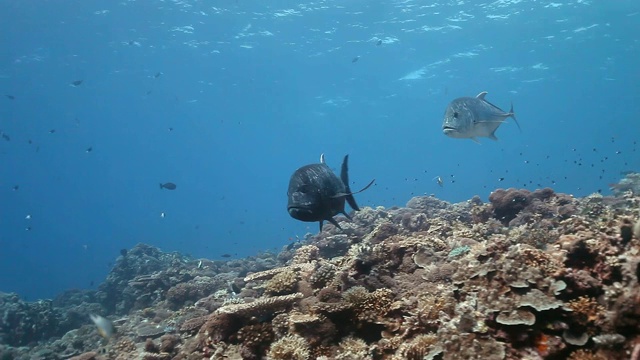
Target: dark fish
point(468, 118)
point(89, 149)
point(168, 186)
point(6, 136)
point(123, 252)
point(379, 42)
point(225, 255)
point(235, 288)
point(157, 75)
point(355, 59)
point(16, 187)
point(52, 131)
point(317, 194)
point(10, 97)
point(76, 83)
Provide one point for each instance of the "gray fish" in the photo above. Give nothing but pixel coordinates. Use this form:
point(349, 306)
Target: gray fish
point(468, 118)
point(317, 194)
point(168, 186)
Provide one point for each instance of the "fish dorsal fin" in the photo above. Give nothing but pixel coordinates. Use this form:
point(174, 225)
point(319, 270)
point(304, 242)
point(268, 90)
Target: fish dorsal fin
point(322, 159)
point(481, 95)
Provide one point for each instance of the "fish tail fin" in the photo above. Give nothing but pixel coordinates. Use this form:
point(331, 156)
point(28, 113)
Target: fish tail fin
point(161, 187)
point(344, 176)
point(513, 115)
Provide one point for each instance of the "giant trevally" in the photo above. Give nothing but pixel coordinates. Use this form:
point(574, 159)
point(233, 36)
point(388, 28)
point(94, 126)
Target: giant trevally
point(316, 194)
point(471, 117)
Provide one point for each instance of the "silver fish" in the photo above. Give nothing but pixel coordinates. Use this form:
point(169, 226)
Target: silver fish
point(105, 327)
point(468, 118)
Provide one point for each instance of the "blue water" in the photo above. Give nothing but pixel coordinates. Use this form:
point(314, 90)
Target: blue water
point(255, 89)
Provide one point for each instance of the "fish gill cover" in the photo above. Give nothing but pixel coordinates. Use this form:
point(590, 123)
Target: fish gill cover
point(531, 253)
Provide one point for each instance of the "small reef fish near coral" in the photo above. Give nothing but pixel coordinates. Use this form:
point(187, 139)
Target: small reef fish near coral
point(526, 275)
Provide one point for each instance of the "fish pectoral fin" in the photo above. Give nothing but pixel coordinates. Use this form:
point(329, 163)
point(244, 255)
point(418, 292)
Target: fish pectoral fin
point(492, 136)
point(334, 222)
point(482, 95)
point(346, 215)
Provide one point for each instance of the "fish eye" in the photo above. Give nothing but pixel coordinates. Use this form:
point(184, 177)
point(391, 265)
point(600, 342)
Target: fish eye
point(455, 114)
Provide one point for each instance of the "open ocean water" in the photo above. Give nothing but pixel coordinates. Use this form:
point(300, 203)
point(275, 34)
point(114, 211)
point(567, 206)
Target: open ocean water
point(102, 101)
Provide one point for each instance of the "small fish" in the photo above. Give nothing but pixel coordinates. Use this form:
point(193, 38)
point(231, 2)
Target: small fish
point(89, 149)
point(468, 118)
point(158, 74)
point(225, 255)
point(28, 217)
point(168, 186)
point(235, 289)
point(10, 97)
point(316, 194)
point(355, 59)
point(52, 131)
point(105, 326)
point(16, 187)
point(76, 83)
point(5, 136)
point(162, 215)
point(438, 180)
point(379, 42)
point(123, 252)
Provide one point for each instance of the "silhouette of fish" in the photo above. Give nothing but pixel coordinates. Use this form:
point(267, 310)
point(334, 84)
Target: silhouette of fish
point(316, 194)
point(168, 186)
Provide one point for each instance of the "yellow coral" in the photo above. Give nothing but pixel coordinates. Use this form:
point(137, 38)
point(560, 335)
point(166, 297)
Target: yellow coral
point(586, 310)
point(282, 283)
point(369, 306)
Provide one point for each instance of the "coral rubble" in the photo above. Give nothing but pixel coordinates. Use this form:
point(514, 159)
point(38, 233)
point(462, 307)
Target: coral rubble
point(528, 275)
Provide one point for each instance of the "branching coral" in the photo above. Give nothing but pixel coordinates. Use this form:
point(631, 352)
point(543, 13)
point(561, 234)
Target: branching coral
point(290, 347)
point(282, 283)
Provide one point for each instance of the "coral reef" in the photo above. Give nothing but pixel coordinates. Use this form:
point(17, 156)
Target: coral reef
point(528, 275)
